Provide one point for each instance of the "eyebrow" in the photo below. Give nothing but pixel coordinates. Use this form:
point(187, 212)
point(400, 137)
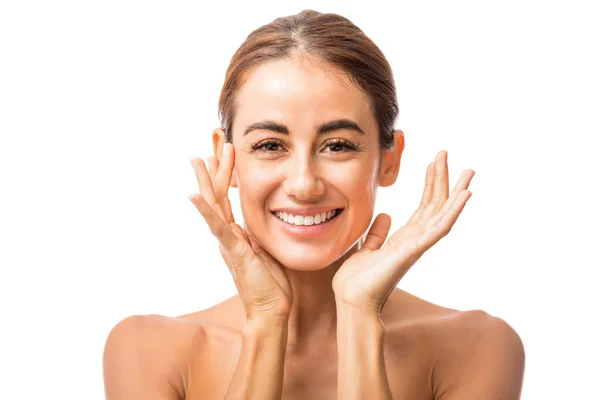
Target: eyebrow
point(323, 128)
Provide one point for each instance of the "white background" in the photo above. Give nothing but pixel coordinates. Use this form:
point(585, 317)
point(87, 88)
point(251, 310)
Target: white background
point(102, 104)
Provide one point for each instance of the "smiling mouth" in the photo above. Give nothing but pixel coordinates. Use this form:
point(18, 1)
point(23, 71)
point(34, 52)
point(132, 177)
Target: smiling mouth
point(322, 218)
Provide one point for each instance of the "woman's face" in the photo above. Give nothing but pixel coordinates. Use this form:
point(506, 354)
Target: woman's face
point(292, 156)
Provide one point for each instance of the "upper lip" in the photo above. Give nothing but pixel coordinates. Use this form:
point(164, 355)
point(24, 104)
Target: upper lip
point(306, 211)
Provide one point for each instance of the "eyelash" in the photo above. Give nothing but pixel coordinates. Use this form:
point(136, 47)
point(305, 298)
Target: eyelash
point(346, 145)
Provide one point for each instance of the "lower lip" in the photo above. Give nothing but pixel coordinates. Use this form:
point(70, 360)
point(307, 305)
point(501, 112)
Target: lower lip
point(308, 230)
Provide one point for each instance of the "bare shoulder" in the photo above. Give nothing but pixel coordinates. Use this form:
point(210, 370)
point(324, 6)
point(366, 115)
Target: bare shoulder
point(151, 356)
point(480, 356)
point(145, 356)
point(473, 354)
point(456, 326)
point(468, 335)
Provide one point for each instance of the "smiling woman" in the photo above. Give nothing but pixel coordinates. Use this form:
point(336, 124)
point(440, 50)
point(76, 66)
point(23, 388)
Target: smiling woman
point(307, 112)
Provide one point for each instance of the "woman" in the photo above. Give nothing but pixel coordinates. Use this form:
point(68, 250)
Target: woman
point(307, 112)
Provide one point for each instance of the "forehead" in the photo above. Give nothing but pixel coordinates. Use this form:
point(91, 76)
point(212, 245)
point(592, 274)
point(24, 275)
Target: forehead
point(301, 95)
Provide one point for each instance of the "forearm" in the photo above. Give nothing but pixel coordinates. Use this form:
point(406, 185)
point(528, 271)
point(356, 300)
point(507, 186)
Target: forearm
point(259, 373)
point(361, 367)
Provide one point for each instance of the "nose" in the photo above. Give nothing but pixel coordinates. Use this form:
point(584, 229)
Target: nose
point(303, 178)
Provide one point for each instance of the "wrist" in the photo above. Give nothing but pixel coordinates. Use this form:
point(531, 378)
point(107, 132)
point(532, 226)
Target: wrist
point(350, 309)
point(265, 325)
point(357, 318)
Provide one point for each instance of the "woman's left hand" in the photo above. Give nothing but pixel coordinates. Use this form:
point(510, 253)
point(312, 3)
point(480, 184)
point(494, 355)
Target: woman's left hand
point(368, 277)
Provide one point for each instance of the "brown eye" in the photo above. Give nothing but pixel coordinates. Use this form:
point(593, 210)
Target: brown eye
point(335, 146)
point(340, 146)
point(266, 146)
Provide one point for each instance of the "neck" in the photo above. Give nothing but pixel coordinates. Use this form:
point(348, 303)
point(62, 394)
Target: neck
point(313, 317)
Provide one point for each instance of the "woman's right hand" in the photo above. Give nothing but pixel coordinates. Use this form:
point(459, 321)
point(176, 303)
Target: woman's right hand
point(260, 279)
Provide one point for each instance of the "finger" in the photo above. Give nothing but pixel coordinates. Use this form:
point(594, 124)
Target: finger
point(444, 224)
point(216, 224)
point(429, 183)
point(223, 177)
point(204, 181)
point(234, 248)
point(440, 188)
point(427, 193)
point(220, 212)
point(463, 183)
point(378, 232)
point(441, 185)
point(212, 167)
point(227, 213)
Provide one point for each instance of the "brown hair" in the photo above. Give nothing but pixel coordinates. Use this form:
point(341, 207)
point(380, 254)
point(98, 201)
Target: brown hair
point(332, 40)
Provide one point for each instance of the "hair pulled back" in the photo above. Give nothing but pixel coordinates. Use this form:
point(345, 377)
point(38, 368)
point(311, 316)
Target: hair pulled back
point(332, 40)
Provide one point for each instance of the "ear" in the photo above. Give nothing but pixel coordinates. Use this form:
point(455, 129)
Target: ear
point(390, 164)
point(218, 138)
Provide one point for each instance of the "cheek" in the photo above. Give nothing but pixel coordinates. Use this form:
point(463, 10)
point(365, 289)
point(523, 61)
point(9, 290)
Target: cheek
point(254, 184)
point(359, 184)
point(360, 192)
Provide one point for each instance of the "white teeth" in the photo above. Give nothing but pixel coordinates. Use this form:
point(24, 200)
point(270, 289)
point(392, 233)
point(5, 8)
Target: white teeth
point(309, 220)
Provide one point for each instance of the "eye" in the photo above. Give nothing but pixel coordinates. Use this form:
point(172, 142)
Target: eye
point(268, 146)
point(341, 146)
point(335, 146)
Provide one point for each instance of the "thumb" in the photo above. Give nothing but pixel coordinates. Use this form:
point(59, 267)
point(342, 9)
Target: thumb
point(378, 232)
point(240, 232)
point(258, 249)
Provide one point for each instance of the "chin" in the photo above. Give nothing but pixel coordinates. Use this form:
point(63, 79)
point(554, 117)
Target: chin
point(304, 266)
point(300, 258)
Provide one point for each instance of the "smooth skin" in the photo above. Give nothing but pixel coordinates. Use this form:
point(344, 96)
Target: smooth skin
point(259, 278)
point(367, 278)
point(347, 331)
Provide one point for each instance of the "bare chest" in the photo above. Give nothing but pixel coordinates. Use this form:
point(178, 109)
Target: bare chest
point(311, 374)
